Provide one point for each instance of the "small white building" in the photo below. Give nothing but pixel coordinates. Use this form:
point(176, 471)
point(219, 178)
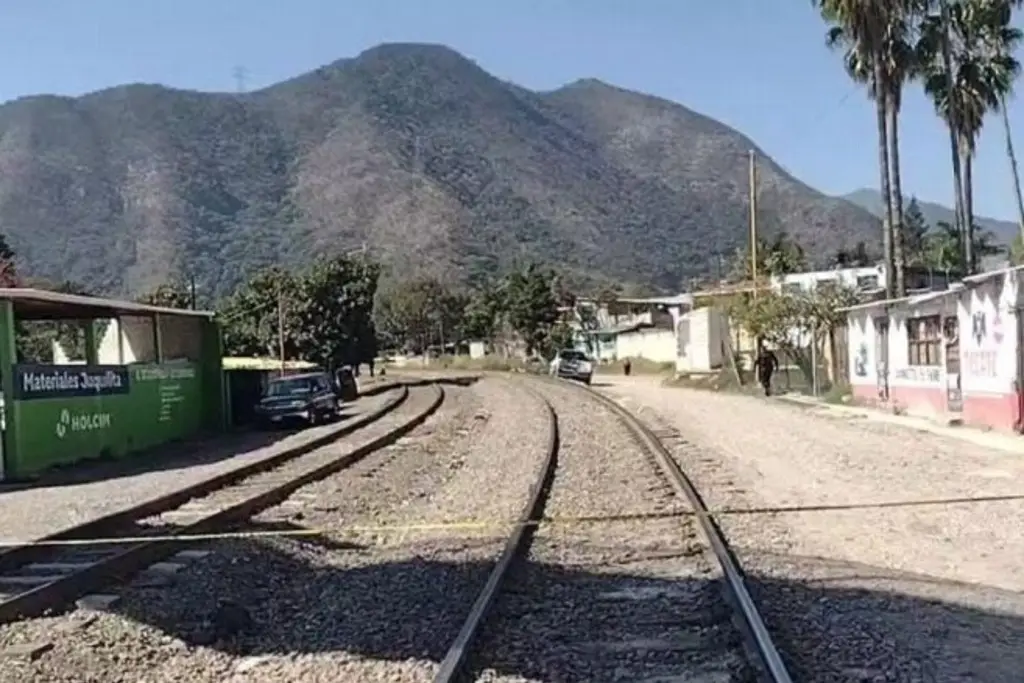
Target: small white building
point(638, 328)
point(477, 349)
point(864, 279)
point(953, 354)
point(701, 338)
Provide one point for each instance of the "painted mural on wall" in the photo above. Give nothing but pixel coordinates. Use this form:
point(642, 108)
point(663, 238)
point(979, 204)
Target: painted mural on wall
point(860, 362)
point(682, 337)
point(919, 373)
point(980, 360)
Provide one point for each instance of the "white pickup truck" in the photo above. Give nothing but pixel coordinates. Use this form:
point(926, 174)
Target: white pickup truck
point(572, 364)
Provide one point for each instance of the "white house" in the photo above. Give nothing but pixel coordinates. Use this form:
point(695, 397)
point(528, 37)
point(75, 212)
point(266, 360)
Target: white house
point(953, 354)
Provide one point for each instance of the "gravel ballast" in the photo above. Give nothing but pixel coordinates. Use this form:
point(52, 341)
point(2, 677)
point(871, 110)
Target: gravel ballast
point(374, 605)
point(916, 589)
point(28, 513)
point(615, 600)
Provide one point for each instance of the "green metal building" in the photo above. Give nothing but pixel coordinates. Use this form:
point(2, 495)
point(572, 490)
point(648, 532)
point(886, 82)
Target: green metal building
point(150, 375)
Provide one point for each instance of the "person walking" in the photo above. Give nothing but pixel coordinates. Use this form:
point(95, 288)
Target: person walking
point(767, 364)
point(627, 367)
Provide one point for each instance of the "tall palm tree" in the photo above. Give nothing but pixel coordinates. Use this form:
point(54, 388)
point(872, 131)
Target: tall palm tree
point(900, 66)
point(1005, 114)
point(981, 71)
point(1013, 167)
point(875, 35)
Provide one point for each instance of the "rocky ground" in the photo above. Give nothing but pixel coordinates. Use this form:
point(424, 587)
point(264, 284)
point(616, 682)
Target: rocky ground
point(64, 499)
point(876, 552)
point(360, 600)
point(627, 600)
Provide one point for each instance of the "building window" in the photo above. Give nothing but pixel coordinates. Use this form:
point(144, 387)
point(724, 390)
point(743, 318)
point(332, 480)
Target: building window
point(866, 282)
point(792, 288)
point(924, 341)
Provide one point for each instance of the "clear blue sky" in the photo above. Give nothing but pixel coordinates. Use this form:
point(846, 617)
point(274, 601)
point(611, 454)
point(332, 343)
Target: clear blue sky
point(757, 65)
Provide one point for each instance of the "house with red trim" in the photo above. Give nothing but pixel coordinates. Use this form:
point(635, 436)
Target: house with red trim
point(953, 355)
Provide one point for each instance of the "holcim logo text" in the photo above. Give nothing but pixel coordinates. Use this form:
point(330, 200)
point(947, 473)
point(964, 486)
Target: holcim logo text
point(81, 422)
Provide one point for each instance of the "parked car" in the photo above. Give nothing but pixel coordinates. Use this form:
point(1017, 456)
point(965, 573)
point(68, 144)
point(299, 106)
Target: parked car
point(572, 364)
point(309, 398)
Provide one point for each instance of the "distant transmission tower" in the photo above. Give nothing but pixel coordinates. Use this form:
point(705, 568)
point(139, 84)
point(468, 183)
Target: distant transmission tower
point(240, 73)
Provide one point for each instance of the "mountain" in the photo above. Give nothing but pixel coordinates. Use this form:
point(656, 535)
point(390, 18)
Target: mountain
point(933, 213)
point(413, 150)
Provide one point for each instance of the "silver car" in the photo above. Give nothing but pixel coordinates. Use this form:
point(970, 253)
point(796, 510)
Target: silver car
point(572, 364)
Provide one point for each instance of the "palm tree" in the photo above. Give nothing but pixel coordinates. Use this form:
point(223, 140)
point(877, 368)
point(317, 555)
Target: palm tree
point(980, 41)
point(875, 35)
point(1013, 166)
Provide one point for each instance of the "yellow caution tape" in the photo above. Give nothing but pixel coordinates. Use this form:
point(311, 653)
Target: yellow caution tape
point(352, 530)
point(480, 524)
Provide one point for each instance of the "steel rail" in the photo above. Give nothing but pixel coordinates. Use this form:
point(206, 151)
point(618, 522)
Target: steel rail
point(760, 642)
point(16, 556)
point(518, 541)
point(142, 552)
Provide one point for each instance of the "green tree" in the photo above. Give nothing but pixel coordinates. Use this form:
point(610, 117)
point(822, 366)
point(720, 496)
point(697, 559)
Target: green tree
point(168, 296)
point(408, 312)
point(250, 316)
point(483, 313)
point(944, 247)
point(531, 305)
point(858, 257)
point(792, 321)
point(8, 269)
point(1016, 251)
point(779, 256)
point(334, 312)
point(915, 232)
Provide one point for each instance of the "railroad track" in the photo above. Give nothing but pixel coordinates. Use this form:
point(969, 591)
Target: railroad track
point(43, 576)
point(758, 645)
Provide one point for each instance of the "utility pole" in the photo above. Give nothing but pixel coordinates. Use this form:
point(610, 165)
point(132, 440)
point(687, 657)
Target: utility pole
point(192, 290)
point(239, 73)
point(280, 325)
point(753, 217)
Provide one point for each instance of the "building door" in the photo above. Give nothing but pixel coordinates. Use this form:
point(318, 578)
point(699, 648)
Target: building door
point(882, 357)
point(954, 392)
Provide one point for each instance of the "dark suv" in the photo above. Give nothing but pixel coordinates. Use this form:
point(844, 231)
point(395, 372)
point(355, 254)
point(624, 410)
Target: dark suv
point(309, 398)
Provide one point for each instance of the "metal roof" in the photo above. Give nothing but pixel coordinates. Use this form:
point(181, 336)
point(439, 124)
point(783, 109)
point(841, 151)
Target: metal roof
point(619, 329)
point(674, 300)
point(912, 300)
point(40, 304)
point(239, 363)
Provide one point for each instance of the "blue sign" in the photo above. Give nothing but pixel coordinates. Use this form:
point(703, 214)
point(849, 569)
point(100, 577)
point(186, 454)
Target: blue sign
point(69, 381)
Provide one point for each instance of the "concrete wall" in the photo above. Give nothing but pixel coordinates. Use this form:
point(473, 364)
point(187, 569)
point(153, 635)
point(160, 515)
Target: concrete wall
point(653, 344)
point(990, 351)
point(700, 340)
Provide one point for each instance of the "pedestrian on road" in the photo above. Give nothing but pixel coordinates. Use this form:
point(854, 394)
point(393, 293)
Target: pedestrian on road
point(627, 367)
point(766, 364)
